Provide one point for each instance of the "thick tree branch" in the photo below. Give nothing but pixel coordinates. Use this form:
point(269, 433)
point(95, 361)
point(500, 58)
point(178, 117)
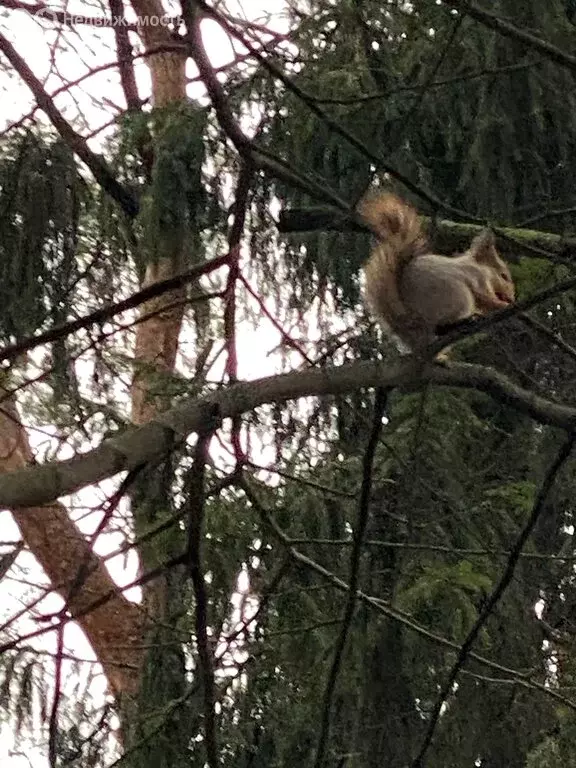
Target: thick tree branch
point(449, 236)
point(113, 629)
point(260, 159)
point(41, 484)
point(125, 58)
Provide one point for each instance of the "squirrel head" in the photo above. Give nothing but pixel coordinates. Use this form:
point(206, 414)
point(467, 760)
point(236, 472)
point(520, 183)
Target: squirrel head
point(483, 251)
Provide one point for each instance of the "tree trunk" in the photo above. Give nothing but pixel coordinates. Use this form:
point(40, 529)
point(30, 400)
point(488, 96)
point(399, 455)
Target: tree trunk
point(115, 628)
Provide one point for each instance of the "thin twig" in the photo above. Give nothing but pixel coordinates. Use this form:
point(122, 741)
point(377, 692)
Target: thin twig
point(12, 351)
point(464, 77)
point(334, 125)
point(355, 556)
point(441, 548)
point(53, 720)
point(383, 608)
point(84, 570)
point(241, 203)
point(195, 523)
point(548, 334)
point(292, 343)
point(493, 21)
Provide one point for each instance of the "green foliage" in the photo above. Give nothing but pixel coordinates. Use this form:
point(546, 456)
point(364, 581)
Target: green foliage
point(26, 692)
point(556, 750)
point(446, 591)
point(170, 204)
point(42, 198)
point(456, 474)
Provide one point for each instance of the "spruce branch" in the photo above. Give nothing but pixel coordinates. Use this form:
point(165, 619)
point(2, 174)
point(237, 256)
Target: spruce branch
point(493, 599)
point(334, 125)
point(507, 29)
point(99, 168)
point(383, 608)
point(12, 351)
point(259, 158)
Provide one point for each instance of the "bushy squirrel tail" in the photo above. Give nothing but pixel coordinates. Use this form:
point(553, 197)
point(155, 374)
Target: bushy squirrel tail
point(401, 238)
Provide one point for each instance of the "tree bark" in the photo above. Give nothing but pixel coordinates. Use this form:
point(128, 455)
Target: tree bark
point(113, 629)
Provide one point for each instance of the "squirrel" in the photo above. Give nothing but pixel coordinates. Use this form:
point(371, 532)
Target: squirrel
point(414, 292)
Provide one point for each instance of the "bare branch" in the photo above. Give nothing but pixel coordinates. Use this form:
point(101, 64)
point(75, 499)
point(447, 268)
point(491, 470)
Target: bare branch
point(196, 503)
point(41, 484)
point(125, 58)
point(359, 531)
point(334, 125)
point(448, 235)
point(12, 351)
point(53, 721)
point(380, 606)
point(66, 18)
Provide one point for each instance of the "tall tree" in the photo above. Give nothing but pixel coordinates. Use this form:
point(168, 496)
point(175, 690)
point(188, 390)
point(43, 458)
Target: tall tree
point(367, 596)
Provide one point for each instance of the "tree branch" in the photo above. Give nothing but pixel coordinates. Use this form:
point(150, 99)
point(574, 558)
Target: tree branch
point(378, 160)
point(260, 158)
point(12, 351)
point(494, 598)
point(195, 511)
point(125, 58)
point(68, 18)
point(494, 22)
point(41, 484)
point(380, 606)
point(354, 582)
point(449, 236)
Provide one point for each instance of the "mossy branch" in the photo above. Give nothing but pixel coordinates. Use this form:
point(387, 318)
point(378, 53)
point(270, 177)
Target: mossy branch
point(447, 236)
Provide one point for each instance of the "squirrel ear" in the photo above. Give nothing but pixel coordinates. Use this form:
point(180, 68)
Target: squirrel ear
point(483, 247)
